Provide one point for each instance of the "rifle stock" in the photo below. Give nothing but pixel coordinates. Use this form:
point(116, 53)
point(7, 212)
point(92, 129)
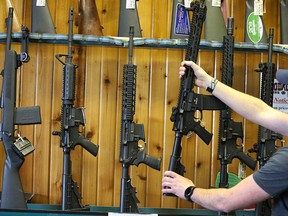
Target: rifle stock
point(214, 25)
point(129, 17)
point(41, 18)
point(16, 148)
point(255, 30)
point(88, 18)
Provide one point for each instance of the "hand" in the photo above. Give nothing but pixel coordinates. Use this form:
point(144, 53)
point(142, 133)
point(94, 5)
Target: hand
point(174, 183)
point(203, 79)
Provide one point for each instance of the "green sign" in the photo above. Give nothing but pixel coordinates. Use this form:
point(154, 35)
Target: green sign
point(254, 28)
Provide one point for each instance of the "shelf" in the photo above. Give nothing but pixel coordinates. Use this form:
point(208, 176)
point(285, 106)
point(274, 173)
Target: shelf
point(79, 39)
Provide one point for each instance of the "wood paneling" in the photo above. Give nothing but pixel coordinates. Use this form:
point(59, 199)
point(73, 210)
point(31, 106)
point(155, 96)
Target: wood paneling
point(99, 89)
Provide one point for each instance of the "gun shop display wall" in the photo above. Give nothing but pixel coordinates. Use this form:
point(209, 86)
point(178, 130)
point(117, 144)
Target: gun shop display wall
point(98, 89)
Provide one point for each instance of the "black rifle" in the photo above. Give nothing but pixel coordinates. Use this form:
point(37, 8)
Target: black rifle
point(16, 147)
point(131, 153)
point(71, 119)
point(230, 130)
point(266, 145)
point(189, 102)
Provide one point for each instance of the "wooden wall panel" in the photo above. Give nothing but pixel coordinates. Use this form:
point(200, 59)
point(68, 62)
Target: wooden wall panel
point(99, 90)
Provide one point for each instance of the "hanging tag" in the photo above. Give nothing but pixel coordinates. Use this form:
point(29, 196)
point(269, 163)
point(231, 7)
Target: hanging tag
point(130, 4)
point(216, 3)
point(40, 3)
point(258, 7)
point(187, 3)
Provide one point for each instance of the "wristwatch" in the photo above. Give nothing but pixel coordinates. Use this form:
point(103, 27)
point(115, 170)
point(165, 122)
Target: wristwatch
point(188, 193)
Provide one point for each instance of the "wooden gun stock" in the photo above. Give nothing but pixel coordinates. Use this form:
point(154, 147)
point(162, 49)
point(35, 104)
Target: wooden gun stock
point(88, 18)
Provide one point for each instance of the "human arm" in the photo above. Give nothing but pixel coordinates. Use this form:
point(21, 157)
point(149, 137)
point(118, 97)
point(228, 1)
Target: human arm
point(251, 108)
point(244, 194)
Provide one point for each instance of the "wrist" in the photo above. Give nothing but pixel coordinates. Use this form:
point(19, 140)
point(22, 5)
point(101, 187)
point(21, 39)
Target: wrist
point(211, 85)
point(189, 192)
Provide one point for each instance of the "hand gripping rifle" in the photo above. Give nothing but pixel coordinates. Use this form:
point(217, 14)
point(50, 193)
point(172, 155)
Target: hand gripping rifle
point(189, 102)
point(230, 130)
point(16, 148)
point(71, 119)
point(266, 145)
point(131, 153)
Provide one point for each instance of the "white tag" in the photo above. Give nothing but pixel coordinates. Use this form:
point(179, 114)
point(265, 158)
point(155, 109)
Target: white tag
point(130, 4)
point(187, 3)
point(216, 3)
point(40, 2)
point(258, 7)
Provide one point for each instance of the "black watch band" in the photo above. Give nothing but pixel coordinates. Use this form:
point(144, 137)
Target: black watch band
point(188, 193)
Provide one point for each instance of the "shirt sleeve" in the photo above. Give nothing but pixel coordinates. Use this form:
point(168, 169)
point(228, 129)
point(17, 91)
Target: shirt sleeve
point(273, 176)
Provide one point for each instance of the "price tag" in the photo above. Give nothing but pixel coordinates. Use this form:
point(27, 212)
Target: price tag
point(40, 2)
point(130, 4)
point(187, 3)
point(258, 7)
point(216, 3)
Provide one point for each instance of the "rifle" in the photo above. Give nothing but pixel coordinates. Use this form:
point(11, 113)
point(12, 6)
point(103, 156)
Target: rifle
point(16, 147)
point(283, 22)
point(131, 133)
point(230, 130)
point(41, 18)
point(89, 22)
point(255, 30)
point(71, 119)
point(214, 26)
point(266, 145)
point(189, 102)
point(129, 17)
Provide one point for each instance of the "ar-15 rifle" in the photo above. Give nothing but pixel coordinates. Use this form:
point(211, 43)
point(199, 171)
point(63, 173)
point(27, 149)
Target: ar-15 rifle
point(266, 145)
point(16, 148)
point(189, 102)
point(131, 153)
point(71, 119)
point(230, 130)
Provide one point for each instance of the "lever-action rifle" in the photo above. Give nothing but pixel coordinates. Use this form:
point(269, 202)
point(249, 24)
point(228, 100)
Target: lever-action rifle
point(131, 153)
point(71, 119)
point(189, 102)
point(16, 147)
point(230, 130)
point(266, 145)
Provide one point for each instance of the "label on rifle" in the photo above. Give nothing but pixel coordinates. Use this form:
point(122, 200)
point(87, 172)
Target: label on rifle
point(182, 25)
point(41, 3)
point(254, 28)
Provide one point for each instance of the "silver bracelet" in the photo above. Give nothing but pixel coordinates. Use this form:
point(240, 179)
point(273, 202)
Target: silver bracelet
point(212, 86)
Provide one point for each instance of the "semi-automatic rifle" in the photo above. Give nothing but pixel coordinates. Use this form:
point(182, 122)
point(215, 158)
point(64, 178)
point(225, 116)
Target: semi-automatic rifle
point(71, 119)
point(189, 102)
point(131, 152)
point(266, 145)
point(16, 147)
point(229, 131)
